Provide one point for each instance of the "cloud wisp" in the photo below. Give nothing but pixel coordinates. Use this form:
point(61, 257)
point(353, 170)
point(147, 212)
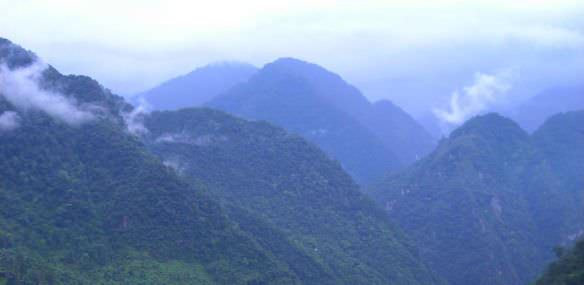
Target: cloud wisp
point(135, 119)
point(9, 120)
point(21, 88)
point(486, 91)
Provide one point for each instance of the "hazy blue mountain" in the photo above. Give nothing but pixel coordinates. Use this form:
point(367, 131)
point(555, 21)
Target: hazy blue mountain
point(292, 102)
point(398, 131)
point(402, 134)
point(537, 109)
point(329, 232)
point(197, 87)
point(561, 141)
point(561, 138)
point(319, 105)
point(487, 206)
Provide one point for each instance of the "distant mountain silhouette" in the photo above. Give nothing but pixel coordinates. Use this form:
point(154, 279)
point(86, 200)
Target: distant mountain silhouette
point(197, 87)
point(368, 139)
point(537, 109)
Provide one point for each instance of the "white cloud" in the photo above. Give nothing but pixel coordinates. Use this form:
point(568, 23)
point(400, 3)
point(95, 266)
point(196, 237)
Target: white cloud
point(135, 118)
point(486, 91)
point(21, 88)
point(9, 120)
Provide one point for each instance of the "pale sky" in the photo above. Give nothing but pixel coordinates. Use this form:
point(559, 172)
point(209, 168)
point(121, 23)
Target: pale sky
point(416, 53)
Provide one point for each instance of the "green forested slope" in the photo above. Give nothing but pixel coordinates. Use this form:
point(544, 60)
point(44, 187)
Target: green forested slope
point(232, 202)
point(561, 138)
point(87, 204)
point(490, 200)
point(305, 199)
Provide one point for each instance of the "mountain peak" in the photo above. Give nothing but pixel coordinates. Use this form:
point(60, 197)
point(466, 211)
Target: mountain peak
point(301, 68)
point(291, 60)
point(491, 124)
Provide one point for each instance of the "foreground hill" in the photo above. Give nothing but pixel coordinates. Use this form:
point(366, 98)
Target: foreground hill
point(197, 87)
point(84, 202)
point(491, 196)
point(329, 232)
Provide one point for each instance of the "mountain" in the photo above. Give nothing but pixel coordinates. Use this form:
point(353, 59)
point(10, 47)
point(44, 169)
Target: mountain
point(561, 138)
point(402, 134)
point(561, 141)
point(197, 87)
point(319, 105)
point(85, 203)
point(93, 192)
point(537, 109)
point(489, 196)
point(398, 131)
point(305, 199)
point(568, 270)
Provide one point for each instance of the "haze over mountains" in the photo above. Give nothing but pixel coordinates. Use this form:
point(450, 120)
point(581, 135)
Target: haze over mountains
point(85, 202)
point(537, 109)
point(197, 87)
point(368, 139)
point(286, 174)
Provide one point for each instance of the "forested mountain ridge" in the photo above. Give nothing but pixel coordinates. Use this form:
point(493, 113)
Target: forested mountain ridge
point(487, 196)
point(292, 102)
point(87, 204)
point(83, 200)
point(399, 132)
point(296, 189)
point(561, 138)
point(306, 99)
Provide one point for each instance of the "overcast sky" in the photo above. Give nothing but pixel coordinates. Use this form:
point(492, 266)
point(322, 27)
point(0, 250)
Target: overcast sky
point(416, 53)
